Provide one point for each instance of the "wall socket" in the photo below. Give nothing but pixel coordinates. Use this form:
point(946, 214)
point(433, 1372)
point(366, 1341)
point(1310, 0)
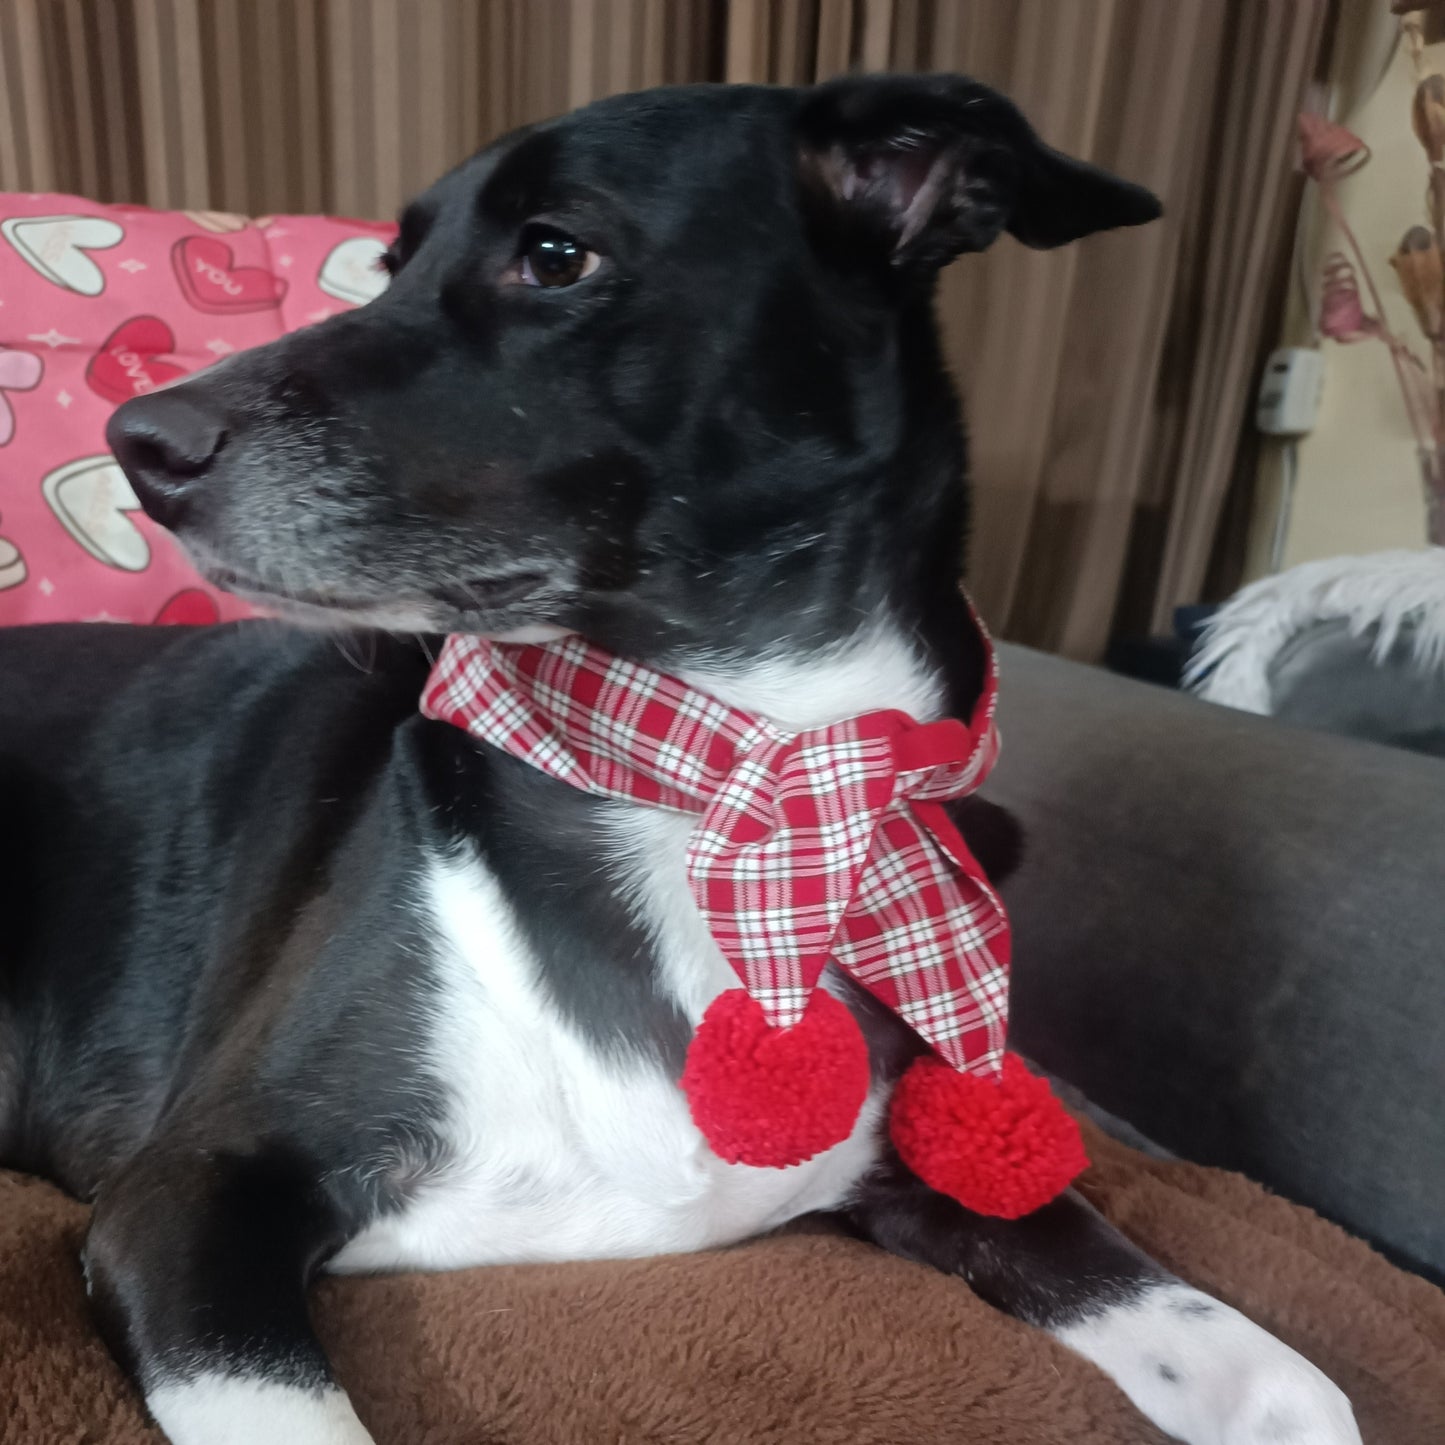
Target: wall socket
point(1289, 393)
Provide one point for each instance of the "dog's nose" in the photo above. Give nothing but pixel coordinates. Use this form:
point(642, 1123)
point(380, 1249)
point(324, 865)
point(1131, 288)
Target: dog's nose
point(165, 442)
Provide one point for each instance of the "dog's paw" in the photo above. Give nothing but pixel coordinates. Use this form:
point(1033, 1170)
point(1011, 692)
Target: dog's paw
point(1288, 1401)
point(1207, 1375)
point(219, 1409)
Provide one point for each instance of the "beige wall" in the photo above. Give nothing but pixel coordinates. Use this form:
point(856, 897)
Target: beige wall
point(1357, 487)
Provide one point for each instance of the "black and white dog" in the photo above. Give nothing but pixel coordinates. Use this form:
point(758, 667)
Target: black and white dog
point(293, 979)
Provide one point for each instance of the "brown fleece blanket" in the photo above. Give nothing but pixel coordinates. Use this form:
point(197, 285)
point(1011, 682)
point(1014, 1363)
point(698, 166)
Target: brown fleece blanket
point(802, 1337)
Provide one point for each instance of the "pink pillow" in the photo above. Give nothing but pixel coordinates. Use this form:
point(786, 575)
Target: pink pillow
point(98, 304)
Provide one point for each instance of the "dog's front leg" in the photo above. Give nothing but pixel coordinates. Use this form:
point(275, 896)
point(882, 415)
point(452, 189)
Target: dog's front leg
point(197, 1263)
point(1197, 1368)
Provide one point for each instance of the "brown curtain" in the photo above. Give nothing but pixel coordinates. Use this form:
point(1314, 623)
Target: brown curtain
point(1107, 383)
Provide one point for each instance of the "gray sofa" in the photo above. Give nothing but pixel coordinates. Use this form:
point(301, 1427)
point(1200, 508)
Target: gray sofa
point(1230, 932)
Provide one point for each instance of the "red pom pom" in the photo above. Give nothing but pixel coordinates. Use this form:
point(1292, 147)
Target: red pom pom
point(773, 1097)
point(1002, 1148)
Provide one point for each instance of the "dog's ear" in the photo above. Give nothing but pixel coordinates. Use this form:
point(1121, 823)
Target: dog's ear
point(919, 168)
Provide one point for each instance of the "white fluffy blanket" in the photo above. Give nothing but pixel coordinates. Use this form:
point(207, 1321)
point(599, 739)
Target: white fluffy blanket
point(1386, 591)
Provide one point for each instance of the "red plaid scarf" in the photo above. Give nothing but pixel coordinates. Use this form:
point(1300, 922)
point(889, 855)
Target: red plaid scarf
point(826, 844)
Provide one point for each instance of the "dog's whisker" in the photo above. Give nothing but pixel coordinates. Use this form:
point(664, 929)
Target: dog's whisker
point(342, 637)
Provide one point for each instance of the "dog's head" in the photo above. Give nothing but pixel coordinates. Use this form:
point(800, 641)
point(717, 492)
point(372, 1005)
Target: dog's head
point(659, 370)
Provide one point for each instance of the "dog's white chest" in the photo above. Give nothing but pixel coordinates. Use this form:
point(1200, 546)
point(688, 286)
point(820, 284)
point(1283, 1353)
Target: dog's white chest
point(558, 1151)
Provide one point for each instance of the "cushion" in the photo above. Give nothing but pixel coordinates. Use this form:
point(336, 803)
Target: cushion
point(1331, 676)
point(101, 303)
point(805, 1338)
point(1227, 931)
point(1352, 645)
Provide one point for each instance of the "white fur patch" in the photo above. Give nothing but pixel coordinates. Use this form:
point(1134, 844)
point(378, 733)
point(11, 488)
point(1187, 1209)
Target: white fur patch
point(558, 1152)
point(1384, 590)
point(1207, 1375)
point(226, 1410)
point(876, 669)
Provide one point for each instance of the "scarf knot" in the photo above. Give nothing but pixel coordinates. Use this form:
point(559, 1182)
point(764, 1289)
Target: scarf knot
point(831, 844)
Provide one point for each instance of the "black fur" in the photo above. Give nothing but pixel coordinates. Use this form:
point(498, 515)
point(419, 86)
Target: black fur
point(1054, 1268)
point(736, 435)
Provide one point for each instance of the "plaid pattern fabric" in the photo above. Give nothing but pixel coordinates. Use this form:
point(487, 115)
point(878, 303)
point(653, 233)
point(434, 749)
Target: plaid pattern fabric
point(827, 844)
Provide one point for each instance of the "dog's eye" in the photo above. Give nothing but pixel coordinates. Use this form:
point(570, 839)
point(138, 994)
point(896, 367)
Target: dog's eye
point(550, 257)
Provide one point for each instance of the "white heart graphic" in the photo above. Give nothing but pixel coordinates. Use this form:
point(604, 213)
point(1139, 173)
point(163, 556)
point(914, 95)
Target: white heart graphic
point(56, 246)
point(351, 272)
point(19, 371)
point(91, 497)
point(12, 564)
